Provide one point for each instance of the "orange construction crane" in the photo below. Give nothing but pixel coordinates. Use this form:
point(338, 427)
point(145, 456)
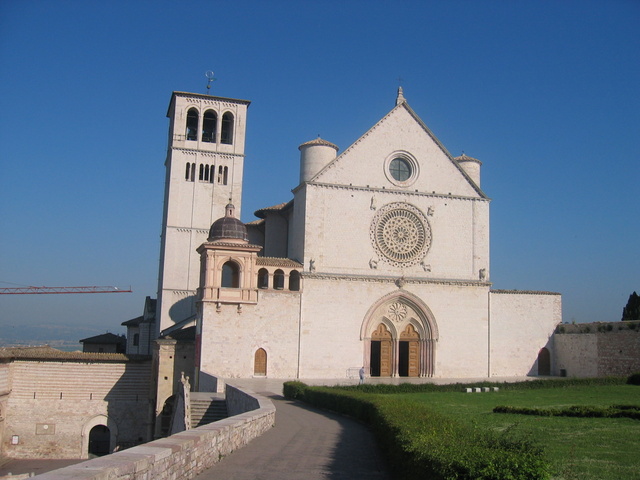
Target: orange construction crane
point(43, 290)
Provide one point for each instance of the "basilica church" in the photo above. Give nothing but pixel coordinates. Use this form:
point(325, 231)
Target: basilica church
point(377, 258)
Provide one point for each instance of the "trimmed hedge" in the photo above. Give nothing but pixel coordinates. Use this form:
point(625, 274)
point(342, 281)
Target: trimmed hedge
point(421, 443)
point(383, 388)
point(584, 411)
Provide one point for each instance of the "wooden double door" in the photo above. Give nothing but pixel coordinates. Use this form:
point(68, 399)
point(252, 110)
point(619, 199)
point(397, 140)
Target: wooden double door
point(403, 360)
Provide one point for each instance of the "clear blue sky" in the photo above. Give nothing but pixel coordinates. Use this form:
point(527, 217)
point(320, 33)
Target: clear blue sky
point(544, 93)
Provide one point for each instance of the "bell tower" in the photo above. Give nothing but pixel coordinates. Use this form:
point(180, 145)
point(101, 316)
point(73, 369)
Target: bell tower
point(204, 169)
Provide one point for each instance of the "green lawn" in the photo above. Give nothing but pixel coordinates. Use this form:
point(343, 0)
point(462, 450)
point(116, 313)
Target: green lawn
point(579, 448)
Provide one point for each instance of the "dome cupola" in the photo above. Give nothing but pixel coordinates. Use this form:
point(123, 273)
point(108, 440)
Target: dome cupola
point(228, 228)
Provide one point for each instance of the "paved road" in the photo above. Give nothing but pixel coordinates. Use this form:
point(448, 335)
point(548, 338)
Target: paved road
point(306, 443)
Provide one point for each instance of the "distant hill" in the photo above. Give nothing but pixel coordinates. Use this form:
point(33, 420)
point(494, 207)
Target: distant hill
point(63, 337)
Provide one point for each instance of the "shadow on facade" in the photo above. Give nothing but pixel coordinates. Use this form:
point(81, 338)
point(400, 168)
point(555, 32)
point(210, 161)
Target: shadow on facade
point(128, 415)
point(543, 365)
point(183, 311)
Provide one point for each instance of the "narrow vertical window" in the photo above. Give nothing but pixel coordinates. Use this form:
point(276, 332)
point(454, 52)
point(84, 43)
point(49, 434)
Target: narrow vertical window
point(206, 173)
point(187, 172)
point(263, 278)
point(226, 136)
point(212, 173)
point(193, 172)
point(278, 279)
point(192, 124)
point(209, 125)
point(225, 175)
point(294, 281)
point(201, 174)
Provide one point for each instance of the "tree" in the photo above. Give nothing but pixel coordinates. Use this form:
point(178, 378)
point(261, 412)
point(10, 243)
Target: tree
point(632, 310)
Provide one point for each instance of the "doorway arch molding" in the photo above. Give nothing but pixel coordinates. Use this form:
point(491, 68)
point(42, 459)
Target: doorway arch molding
point(94, 422)
point(396, 311)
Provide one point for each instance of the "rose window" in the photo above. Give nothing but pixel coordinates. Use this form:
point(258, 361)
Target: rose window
point(397, 312)
point(401, 234)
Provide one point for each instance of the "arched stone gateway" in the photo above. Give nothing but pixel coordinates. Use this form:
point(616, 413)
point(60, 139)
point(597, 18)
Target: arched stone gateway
point(99, 435)
point(400, 335)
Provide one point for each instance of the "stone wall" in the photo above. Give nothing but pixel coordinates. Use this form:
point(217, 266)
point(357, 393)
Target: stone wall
point(53, 404)
point(522, 323)
point(183, 455)
point(597, 349)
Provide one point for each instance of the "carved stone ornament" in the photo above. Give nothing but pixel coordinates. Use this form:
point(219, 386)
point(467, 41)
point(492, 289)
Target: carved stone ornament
point(400, 234)
point(397, 312)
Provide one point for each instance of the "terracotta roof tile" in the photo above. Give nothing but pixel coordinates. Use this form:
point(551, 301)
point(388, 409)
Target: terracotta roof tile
point(318, 141)
point(45, 352)
point(277, 262)
point(274, 208)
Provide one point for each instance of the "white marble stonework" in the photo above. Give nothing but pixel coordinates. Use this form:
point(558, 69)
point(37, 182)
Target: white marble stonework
point(381, 259)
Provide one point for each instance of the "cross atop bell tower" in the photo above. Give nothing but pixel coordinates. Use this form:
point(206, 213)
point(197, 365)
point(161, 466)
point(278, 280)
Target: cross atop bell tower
point(204, 168)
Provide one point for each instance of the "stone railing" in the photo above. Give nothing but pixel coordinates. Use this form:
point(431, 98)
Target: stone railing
point(185, 454)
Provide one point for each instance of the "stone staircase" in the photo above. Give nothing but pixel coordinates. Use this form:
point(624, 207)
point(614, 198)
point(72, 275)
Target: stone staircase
point(207, 407)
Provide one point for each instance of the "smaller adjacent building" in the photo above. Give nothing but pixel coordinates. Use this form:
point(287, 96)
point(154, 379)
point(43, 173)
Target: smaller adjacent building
point(104, 343)
point(56, 404)
point(141, 330)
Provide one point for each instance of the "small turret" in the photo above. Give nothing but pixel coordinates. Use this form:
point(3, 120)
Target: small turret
point(471, 166)
point(228, 228)
point(314, 156)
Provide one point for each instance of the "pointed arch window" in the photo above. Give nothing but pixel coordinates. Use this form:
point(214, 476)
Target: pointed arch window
point(209, 126)
point(226, 135)
point(192, 124)
point(230, 275)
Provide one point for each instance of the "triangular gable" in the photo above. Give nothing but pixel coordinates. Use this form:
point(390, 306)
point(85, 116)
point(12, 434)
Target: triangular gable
point(400, 130)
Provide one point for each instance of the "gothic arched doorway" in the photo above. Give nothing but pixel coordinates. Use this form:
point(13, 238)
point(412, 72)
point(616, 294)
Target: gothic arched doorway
point(399, 334)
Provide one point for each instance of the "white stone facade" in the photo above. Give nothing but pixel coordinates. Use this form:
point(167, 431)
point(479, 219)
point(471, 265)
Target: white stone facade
point(381, 260)
point(204, 169)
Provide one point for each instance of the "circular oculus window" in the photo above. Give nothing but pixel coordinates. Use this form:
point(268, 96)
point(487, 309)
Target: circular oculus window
point(400, 169)
point(401, 234)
